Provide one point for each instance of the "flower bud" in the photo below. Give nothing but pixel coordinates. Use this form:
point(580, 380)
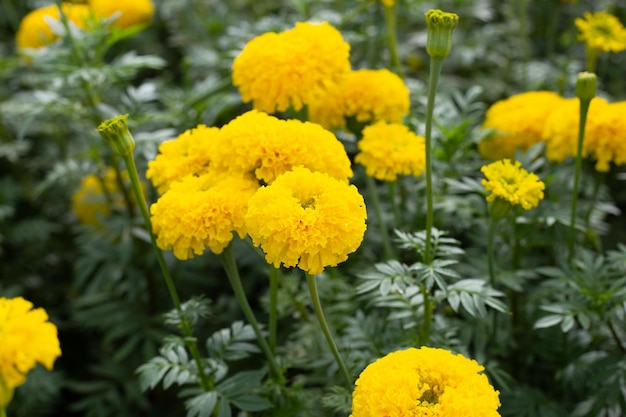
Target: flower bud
point(586, 85)
point(115, 132)
point(440, 27)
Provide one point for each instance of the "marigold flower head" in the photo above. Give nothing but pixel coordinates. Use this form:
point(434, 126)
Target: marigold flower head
point(518, 122)
point(425, 382)
point(602, 31)
point(306, 219)
point(367, 95)
point(291, 68)
point(391, 149)
point(200, 212)
point(266, 146)
point(35, 32)
point(605, 137)
point(188, 154)
point(561, 132)
point(508, 181)
point(27, 338)
point(129, 12)
point(97, 197)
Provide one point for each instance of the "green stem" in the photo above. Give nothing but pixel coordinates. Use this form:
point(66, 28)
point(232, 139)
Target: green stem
point(428, 316)
point(317, 305)
point(390, 21)
point(190, 341)
point(584, 109)
point(523, 34)
point(384, 233)
point(598, 181)
point(592, 55)
point(435, 69)
point(122, 187)
point(273, 313)
point(394, 205)
point(491, 235)
point(228, 262)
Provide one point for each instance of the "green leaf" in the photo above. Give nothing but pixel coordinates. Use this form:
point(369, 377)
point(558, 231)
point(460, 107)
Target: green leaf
point(251, 403)
point(240, 383)
point(201, 405)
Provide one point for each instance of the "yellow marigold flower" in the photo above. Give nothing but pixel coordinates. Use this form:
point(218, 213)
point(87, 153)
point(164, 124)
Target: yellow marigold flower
point(200, 212)
point(425, 382)
point(259, 143)
point(367, 95)
point(306, 219)
point(188, 154)
point(602, 31)
point(129, 12)
point(561, 130)
point(27, 338)
point(518, 122)
point(391, 149)
point(35, 32)
point(508, 181)
point(291, 68)
point(605, 137)
point(91, 202)
point(388, 3)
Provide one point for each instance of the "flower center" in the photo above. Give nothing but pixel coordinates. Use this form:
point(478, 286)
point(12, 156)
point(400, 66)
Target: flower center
point(429, 396)
point(308, 203)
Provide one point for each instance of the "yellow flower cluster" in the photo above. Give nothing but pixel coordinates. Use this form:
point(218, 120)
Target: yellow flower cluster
point(366, 95)
point(307, 219)
point(602, 31)
point(425, 382)
point(188, 154)
point(391, 149)
point(96, 197)
point(605, 133)
point(259, 143)
point(199, 212)
point(35, 32)
point(510, 182)
point(518, 122)
point(27, 338)
point(291, 68)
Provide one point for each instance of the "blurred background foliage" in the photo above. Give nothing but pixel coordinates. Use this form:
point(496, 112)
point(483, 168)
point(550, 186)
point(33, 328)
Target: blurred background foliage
point(100, 282)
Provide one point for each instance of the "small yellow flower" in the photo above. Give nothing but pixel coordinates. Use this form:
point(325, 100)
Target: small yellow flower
point(367, 95)
point(188, 154)
point(602, 31)
point(266, 146)
point(27, 338)
point(129, 12)
point(306, 219)
point(391, 149)
point(425, 382)
point(35, 32)
point(518, 122)
point(200, 212)
point(510, 182)
point(605, 137)
point(291, 68)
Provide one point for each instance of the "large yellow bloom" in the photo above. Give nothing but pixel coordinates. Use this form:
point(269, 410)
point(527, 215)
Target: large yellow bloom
point(391, 149)
point(27, 338)
point(35, 32)
point(291, 68)
point(602, 31)
point(306, 219)
point(509, 181)
point(262, 144)
point(200, 212)
point(601, 132)
point(518, 122)
point(129, 12)
point(425, 382)
point(366, 95)
point(188, 154)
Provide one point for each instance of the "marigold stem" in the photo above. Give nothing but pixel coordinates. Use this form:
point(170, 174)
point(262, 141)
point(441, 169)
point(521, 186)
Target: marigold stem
point(273, 313)
point(390, 21)
point(317, 305)
point(384, 233)
point(232, 272)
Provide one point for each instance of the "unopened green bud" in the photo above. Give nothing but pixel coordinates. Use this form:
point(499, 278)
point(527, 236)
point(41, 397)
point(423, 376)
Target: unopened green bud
point(115, 132)
point(586, 85)
point(440, 27)
point(499, 208)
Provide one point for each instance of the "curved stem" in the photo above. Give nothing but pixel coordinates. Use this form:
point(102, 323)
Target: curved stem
point(384, 233)
point(584, 109)
point(273, 313)
point(185, 326)
point(228, 262)
point(317, 305)
point(435, 69)
point(390, 21)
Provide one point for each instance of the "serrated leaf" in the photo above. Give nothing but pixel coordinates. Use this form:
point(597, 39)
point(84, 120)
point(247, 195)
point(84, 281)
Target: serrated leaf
point(201, 405)
point(548, 321)
point(251, 403)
